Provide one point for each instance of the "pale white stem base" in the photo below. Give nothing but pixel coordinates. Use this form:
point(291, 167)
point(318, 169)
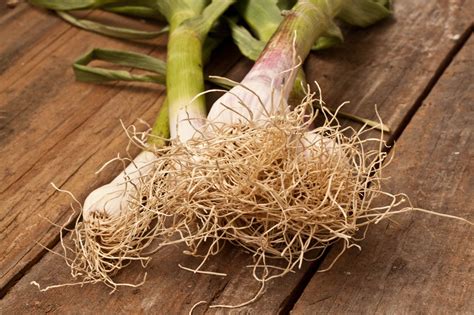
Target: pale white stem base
point(187, 122)
point(112, 199)
point(262, 93)
point(252, 101)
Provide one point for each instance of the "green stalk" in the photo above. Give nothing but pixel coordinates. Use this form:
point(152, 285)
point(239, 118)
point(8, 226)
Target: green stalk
point(264, 16)
point(161, 129)
point(308, 21)
point(185, 80)
point(270, 78)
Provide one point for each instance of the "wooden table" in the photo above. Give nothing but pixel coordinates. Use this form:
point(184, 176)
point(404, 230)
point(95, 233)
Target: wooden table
point(418, 67)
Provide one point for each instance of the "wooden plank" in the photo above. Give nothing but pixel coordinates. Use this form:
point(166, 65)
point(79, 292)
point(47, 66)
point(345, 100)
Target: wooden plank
point(421, 263)
point(42, 104)
point(23, 29)
point(54, 129)
point(172, 289)
point(392, 63)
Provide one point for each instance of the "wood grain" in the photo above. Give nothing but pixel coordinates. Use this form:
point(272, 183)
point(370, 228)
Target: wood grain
point(391, 64)
point(421, 263)
point(344, 73)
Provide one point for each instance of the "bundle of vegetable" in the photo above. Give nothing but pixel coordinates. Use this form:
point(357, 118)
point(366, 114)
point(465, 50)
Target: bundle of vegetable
point(254, 174)
point(115, 229)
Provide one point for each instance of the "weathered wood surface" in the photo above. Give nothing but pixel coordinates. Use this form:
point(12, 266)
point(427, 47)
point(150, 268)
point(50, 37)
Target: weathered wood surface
point(420, 263)
point(392, 63)
point(54, 129)
point(372, 67)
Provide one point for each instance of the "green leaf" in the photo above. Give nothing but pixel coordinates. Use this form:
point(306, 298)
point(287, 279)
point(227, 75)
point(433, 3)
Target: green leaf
point(67, 5)
point(364, 13)
point(161, 128)
point(90, 74)
point(135, 11)
point(86, 73)
point(203, 23)
point(196, 5)
point(332, 37)
point(325, 43)
point(263, 16)
point(210, 43)
point(222, 82)
point(112, 31)
point(248, 45)
point(177, 11)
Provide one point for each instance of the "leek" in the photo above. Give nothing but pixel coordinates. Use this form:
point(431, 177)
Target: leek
point(112, 207)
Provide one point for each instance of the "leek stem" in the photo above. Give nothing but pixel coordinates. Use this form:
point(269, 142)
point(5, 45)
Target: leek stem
point(189, 26)
point(308, 20)
point(160, 131)
point(184, 81)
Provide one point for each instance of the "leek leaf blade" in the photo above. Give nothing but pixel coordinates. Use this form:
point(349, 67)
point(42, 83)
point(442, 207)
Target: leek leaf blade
point(86, 73)
point(112, 31)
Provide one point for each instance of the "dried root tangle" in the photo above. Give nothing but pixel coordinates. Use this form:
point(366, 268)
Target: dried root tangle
point(275, 189)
